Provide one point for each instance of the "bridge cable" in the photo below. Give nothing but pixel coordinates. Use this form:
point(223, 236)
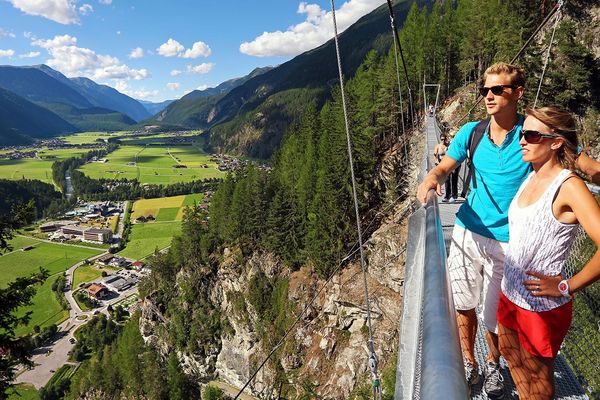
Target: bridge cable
point(405, 151)
point(556, 8)
point(397, 41)
point(558, 16)
point(372, 356)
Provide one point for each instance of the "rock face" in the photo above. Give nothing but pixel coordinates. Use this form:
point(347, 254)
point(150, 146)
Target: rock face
point(327, 349)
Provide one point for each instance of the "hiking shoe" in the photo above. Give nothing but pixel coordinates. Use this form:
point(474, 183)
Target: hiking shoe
point(445, 200)
point(471, 373)
point(494, 381)
point(454, 200)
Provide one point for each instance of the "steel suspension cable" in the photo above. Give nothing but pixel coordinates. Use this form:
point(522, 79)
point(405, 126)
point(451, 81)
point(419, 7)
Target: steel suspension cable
point(372, 356)
point(558, 16)
point(397, 41)
point(556, 7)
point(405, 155)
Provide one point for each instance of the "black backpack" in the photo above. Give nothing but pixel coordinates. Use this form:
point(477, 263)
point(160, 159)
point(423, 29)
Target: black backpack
point(476, 136)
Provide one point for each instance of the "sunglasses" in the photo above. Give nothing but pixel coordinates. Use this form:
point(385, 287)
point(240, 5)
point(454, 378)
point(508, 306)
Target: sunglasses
point(496, 90)
point(535, 137)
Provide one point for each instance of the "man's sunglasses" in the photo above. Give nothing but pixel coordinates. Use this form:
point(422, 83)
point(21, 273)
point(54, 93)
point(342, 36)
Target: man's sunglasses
point(496, 90)
point(535, 137)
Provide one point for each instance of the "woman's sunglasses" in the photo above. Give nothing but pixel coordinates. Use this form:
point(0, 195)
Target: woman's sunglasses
point(535, 137)
point(496, 90)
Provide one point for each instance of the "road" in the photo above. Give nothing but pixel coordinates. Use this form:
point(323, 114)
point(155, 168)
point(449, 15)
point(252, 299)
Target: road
point(62, 244)
point(51, 357)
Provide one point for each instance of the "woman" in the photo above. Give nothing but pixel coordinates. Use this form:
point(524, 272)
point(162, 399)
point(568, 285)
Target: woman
point(535, 307)
point(451, 185)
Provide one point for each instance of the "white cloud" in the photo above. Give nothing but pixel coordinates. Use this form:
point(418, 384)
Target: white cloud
point(138, 52)
point(173, 85)
point(4, 33)
point(105, 1)
point(7, 53)
point(314, 31)
point(27, 35)
point(79, 61)
point(203, 68)
point(124, 88)
point(176, 72)
point(118, 32)
point(170, 48)
point(31, 54)
point(61, 11)
point(202, 87)
point(56, 41)
point(86, 9)
point(198, 49)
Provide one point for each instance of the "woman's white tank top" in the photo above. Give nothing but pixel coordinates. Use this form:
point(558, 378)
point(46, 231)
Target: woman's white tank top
point(538, 242)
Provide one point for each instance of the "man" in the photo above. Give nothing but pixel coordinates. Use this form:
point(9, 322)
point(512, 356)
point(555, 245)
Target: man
point(480, 236)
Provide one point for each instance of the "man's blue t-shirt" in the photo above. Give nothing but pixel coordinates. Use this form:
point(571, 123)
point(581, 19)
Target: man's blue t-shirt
point(499, 172)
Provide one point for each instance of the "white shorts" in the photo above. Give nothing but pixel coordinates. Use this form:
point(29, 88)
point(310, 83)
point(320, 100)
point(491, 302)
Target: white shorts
point(475, 267)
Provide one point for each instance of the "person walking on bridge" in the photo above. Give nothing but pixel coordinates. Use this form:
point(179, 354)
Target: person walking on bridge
point(480, 236)
point(535, 309)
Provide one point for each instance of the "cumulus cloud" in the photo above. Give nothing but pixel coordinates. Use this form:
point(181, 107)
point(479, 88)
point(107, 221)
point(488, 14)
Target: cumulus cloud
point(72, 61)
point(86, 9)
point(172, 48)
point(124, 88)
point(138, 52)
point(105, 1)
point(173, 86)
point(176, 72)
point(31, 54)
point(203, 68)
point(202, 87)
point(198, 49)
point(61, 11)
point(7, 53)
point(314, 31)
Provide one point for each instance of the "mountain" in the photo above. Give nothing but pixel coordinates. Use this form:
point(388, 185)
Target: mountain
point(154, 108)
point(192, 111)
point(22, 121)
point(92, 118)
point(36, 85)
point(100, 95)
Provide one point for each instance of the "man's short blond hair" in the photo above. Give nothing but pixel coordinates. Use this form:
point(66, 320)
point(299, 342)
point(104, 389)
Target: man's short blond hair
point(516, 74)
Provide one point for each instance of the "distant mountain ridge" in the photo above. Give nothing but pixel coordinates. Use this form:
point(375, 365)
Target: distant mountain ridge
point(154, 108)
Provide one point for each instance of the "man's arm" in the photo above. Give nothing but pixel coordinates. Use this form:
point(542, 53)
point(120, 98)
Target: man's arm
point(436, 177)
point(589, 166)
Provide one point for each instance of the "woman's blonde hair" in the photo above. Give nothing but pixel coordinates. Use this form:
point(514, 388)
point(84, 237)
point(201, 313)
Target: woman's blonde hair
point(563, 124)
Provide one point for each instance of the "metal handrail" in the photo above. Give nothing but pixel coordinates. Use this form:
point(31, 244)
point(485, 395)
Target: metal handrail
point(429, 356)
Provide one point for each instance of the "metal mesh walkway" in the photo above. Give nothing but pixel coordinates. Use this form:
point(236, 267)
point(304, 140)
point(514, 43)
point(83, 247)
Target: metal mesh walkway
point(567, 385)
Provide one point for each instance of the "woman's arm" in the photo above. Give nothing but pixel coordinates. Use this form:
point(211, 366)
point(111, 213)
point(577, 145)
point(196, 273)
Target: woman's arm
point(576, 196)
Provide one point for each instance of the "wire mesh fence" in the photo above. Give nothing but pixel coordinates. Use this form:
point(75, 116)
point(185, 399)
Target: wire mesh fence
point(581, 347)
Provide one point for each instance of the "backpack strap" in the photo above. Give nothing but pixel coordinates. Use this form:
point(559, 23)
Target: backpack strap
point(474, 140)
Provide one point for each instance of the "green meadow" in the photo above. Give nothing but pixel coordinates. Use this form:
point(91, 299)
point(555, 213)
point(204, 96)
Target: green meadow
point(56, 259)
point(36, 168)
point(154, 164)
point(148, 236)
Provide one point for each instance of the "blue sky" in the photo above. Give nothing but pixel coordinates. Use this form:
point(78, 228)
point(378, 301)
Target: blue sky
point(156, 50)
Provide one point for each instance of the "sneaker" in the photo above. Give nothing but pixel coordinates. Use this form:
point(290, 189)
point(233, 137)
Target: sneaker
point(454, 200)
point(445, 200)
point(471, 373)
point(494, 381)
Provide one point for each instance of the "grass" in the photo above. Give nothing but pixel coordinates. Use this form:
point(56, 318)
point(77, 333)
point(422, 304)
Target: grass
point(114, 223)
point(154, 164)
point(34, 168)
point(56, 259)
point(167, 214)
point(145, 238)
point(87, 273)
point(88, 137)
point(23, 392)
point(81, 305)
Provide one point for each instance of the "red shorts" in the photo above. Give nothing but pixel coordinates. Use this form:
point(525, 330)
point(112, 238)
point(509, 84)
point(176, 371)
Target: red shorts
point(540, 333)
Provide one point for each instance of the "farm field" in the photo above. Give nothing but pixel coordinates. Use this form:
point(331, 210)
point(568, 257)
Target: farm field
point(88, 273)
point(88, 137)
point(168, 212)
point(154, 164)
point(36, 168)
point(56, 259)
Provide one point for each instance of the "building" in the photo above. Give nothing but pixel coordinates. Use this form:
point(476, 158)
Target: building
point(97, 291)
point(73, 230)
point(105, 259)
point(117, 283)
point(101, 235)
point(55, 225)
point(138, 265)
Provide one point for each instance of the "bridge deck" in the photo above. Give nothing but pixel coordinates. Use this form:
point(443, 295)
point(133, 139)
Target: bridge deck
point(567, 386)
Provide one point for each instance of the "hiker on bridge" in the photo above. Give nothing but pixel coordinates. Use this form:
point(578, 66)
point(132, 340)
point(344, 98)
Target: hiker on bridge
point(480, 236)
point(536, 304)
